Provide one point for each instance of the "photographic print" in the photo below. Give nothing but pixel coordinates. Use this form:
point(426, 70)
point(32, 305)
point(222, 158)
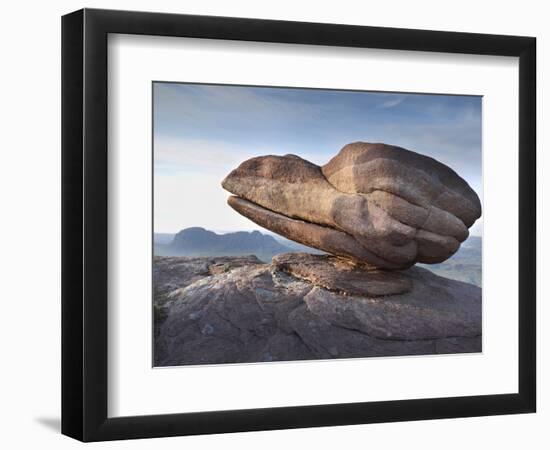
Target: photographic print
point(305, 224)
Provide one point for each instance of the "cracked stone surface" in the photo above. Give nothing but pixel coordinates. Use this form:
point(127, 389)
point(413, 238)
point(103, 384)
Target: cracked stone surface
point(253, 312)
point(172, 273)
point(383, 205)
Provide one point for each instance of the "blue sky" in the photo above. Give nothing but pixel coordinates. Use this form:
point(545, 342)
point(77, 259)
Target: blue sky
point(202, 132)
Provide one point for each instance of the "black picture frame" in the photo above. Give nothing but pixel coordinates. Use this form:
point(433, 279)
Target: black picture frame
point(84, 224)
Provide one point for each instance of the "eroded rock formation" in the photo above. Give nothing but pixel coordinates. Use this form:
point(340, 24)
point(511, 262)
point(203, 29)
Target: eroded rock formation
point(377, 209)
point(301, 306)
point(379, 204)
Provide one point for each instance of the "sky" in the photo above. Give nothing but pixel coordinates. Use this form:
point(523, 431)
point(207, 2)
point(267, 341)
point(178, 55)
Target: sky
point(201, 132)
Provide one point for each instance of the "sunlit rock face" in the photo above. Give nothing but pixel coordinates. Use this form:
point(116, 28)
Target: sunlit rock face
point(381, 205)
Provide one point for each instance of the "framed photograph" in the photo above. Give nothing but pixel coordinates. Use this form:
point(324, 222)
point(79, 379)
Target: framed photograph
point(272, 224)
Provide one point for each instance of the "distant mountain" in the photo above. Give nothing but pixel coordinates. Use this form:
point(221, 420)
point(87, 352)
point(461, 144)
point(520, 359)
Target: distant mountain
point(464, 265)
point(197, 241)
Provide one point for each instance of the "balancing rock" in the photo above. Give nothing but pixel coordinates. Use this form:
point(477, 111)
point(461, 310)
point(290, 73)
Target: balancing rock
point(381, 205)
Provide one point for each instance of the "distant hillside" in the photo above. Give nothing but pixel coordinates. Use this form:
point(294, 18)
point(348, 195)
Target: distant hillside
point(197, 241)
point(464, 265)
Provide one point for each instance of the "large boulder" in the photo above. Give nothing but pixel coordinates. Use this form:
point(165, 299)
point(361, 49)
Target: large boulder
point(379, 204)
point(310, 307)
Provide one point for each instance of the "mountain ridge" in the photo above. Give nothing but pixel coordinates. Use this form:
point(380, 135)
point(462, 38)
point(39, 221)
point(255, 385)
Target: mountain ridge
point(198, 241)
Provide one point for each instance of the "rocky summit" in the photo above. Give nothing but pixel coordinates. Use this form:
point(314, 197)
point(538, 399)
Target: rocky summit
point(303, 306)
point(376, 210)
point(382, 205)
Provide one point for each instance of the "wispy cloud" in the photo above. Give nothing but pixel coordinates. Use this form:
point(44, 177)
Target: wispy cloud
point(173, 153)
point(392, 102)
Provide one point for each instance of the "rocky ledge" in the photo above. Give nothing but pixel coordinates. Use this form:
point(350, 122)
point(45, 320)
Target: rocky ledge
point(302, 306)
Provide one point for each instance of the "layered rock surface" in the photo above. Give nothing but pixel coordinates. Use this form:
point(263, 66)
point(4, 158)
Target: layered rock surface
point(301, 306)
point(382, 205)
point(343, 275)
